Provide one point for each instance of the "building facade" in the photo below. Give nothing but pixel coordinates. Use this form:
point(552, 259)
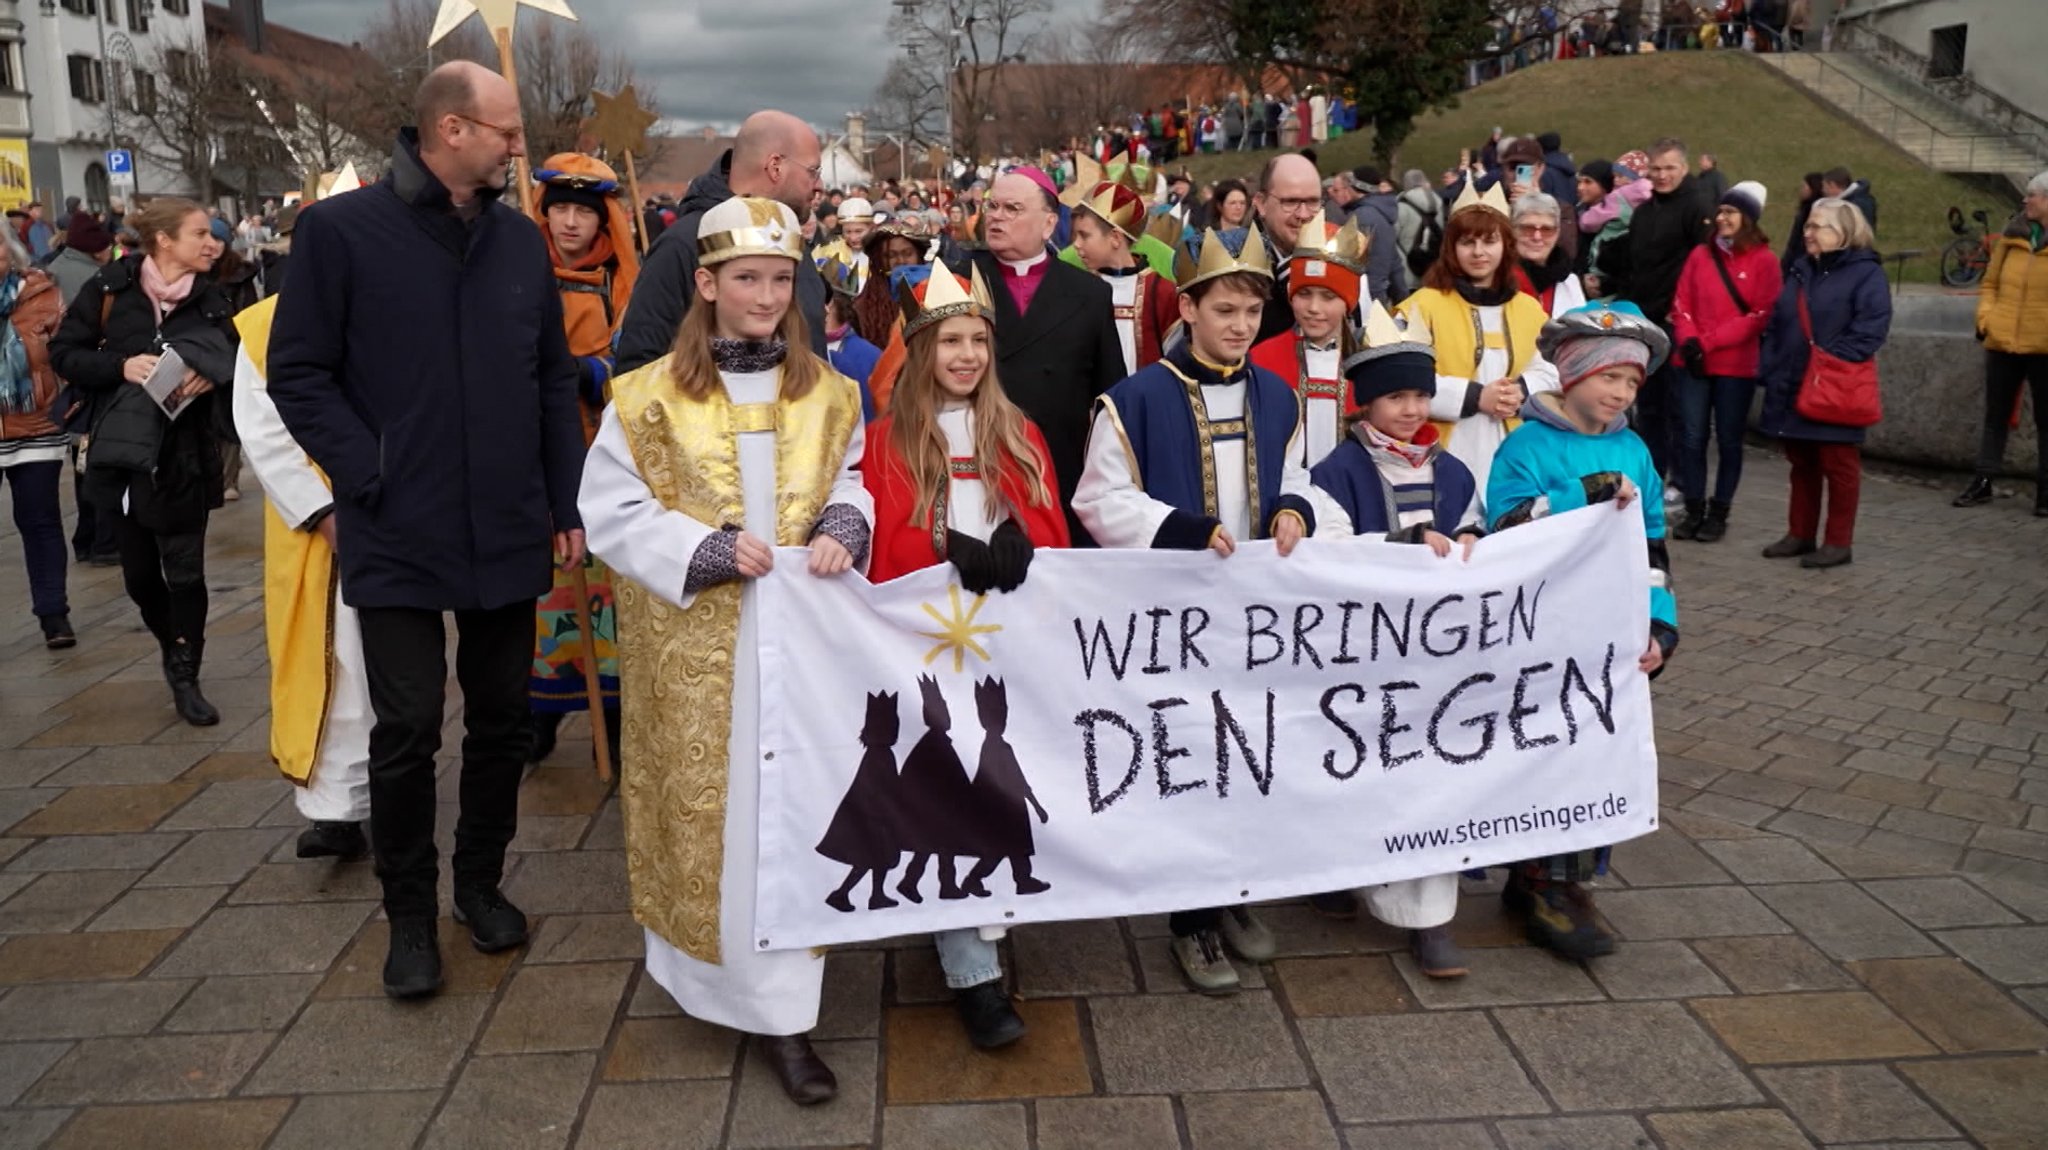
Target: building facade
point(88, 66)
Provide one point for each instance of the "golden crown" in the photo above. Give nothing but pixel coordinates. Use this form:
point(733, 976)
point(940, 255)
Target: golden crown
point(944, 297)
point(1346, 246)
point(1494, 200)
point(748, 226)
point(842, 271)
point(1126, 215)
point(1216, 259)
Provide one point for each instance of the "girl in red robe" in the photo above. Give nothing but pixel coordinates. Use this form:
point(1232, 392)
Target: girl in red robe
point(958, 476)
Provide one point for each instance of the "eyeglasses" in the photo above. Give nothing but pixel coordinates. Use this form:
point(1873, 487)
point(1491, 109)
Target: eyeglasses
point(512, 135)
point(1535, 230)
point(1301, 206)
point(816, 170)
point(1001, 210)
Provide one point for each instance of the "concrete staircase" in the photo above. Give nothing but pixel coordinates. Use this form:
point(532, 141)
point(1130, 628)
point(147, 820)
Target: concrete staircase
point(1919, 122)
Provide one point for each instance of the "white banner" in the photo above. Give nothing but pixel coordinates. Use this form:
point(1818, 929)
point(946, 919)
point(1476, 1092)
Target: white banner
point(1141, 731)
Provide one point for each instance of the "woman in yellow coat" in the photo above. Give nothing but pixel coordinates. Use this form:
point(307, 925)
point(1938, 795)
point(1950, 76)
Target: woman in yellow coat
point(1484, 330)
point(2012, 320)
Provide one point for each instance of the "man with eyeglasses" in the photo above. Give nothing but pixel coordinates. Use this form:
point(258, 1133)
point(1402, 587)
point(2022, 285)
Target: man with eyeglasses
point(1057, 346)
point(420, 359)
point(1678, 217)
point(1290, 194)
point(776, 157)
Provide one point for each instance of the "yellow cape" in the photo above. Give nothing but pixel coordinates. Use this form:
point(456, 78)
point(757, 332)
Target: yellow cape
point(299, 597)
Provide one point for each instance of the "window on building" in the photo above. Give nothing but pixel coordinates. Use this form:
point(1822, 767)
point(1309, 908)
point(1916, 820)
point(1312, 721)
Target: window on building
point(179, 64)
point(144, 101)
point(138, 16)
point(1945, 58)
point(88, 80)
point(82, 7)
point(10, 75)
point(178, 7)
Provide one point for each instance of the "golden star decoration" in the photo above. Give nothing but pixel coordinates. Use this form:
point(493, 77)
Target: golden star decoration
point(619, 124)
point(958, 631)
point(499, 15)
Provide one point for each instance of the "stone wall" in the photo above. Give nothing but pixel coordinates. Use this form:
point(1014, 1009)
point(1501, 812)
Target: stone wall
point(1932, 370)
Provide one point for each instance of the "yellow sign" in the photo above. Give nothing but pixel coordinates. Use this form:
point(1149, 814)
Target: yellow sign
point(15, 189)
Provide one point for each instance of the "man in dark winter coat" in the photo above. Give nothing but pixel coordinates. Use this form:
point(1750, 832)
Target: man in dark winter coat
point(420, 360)
point(1377, 210)
point(775, 156)
point(1844, 186)
point(1675, 219)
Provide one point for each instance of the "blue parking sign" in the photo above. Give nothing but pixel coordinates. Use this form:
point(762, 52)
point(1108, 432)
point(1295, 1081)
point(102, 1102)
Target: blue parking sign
point(120, 162)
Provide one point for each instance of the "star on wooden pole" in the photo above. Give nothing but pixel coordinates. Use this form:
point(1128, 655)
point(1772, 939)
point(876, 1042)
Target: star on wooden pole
point(619, 124)
point(499, 15)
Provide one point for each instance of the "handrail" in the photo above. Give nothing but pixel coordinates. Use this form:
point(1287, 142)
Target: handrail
point(1919, 69)
point(1935, 136)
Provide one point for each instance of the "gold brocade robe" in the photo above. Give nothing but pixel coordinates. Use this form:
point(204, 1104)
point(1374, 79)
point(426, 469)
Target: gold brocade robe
point(299, 596)
point(676, 664)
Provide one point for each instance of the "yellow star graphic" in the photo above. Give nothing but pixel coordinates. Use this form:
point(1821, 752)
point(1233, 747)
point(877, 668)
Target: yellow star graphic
point(958, 632)
point(619, 123)
point(499, 15)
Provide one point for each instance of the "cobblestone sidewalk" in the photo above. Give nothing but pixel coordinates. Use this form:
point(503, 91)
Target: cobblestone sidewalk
point(1839, 938)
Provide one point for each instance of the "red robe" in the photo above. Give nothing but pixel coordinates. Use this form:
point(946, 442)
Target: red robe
point(1157, 316)
point(901, 546)
point(1278, 356)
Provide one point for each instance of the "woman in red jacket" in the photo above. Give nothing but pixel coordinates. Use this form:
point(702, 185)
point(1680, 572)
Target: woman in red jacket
point(959, 476)
point(1724, 301)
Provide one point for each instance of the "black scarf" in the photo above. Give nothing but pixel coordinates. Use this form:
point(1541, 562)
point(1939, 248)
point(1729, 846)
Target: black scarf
point(1485, 297)
point(741, 356)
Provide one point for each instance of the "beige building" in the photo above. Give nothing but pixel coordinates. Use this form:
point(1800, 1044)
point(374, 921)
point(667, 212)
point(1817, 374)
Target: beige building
point(2000, 44)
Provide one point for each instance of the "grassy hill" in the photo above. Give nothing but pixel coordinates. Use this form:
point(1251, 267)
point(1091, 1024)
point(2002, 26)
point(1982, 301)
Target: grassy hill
point(1759, 126)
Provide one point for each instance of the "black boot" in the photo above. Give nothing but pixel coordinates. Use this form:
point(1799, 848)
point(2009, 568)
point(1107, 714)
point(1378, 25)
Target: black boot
point(494, 923)
point(181, 670)
point(1977, 494)
point(986, 1012)
point(1689, 526)
point(336, 840)
point(614, 730)
point(57, 633)
point(412, 967)
point(1715, 525)
point(542, 729)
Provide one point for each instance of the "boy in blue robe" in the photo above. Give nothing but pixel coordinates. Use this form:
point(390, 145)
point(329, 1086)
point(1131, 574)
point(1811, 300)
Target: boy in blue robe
point(1575, 449)
point(1389, 476)
point(1196, 452)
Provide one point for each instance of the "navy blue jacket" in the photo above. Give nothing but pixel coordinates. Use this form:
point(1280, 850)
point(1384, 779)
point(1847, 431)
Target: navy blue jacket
point(1851, 306)
point(422, 363)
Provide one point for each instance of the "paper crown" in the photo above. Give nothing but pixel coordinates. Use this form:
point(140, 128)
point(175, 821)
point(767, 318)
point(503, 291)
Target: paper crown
point(320, 185)
point(1216, 257)
point(1393, 356)
point(748, 226)
point(1164, 226)
point(942, 296)
point(854, 210)
point(1494, 200)
point(842, 272)
point(1346, 246)
point(1117, 204)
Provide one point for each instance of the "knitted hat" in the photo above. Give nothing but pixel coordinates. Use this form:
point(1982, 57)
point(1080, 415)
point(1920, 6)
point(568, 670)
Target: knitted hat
point(1747, 197)
point(221, 231)
point(1587, 339)
point(1600, 172)
point(558, 193)
point(87, 235)
point(1395, 357)
point(1637, 163)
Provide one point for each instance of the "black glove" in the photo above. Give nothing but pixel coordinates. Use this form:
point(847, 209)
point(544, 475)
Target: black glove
point(973, 560)
point(1010, 551)
point(1602, 486)
point(1694, 355)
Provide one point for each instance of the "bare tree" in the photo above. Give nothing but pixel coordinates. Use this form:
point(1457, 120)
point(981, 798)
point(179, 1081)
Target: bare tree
point(967, 46)
point(1084, 74)
point(177, 121)
point(908, 104)
point(397, 40)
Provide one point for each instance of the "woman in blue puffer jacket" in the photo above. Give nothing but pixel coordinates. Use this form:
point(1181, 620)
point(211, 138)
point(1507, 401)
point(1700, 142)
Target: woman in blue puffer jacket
point(1850, 305)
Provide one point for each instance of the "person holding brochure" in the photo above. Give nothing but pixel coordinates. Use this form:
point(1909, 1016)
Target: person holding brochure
point(154, 459)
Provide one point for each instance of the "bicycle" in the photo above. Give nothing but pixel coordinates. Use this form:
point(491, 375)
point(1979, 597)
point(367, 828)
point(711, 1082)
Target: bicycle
point(1964, 260)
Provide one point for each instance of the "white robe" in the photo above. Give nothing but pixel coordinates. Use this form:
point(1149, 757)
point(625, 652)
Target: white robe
point(1475, 438)
point(1112, 504)
point(1123, 293)
point(339, 790)
point(1321, 418)
point(759, 992)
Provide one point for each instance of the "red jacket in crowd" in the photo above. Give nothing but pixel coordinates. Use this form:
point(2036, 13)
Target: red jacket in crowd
point(1705, 309)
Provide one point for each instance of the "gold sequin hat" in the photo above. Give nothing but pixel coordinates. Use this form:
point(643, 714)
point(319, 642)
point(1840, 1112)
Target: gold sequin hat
point(748, 226)
point(1222, 254)
point(1393, 356)
point(943, 295)
point(1346, 246)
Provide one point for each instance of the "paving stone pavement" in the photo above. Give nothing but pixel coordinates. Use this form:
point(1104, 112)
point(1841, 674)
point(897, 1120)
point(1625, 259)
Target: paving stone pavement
point(1839, 937)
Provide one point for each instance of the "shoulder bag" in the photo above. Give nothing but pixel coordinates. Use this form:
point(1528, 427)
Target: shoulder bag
point(1833, 389)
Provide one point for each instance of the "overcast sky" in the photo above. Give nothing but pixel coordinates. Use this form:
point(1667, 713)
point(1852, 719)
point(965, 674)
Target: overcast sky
point(709, 62)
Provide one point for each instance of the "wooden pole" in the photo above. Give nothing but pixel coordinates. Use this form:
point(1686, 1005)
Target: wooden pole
point(507, 68)
point(638, 210)
point(599, 737)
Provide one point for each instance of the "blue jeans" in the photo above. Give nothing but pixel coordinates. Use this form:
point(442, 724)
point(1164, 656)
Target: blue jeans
point(40, 519)
point(967, 958)
point(1719, 404)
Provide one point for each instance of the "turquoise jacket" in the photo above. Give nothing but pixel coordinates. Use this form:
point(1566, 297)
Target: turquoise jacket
point(1547, 465)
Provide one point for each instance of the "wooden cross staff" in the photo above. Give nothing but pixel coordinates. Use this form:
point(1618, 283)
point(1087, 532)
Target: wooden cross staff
point(619, 127)
point(500, 16)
